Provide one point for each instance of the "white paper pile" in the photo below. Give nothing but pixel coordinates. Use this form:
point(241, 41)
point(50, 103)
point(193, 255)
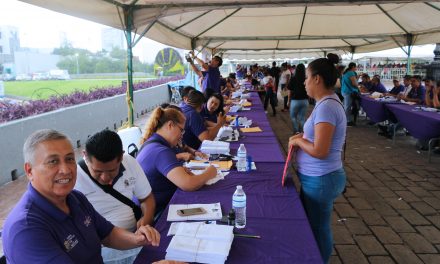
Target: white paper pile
point(235, 108)
point(236, 94)
point(213, 212)
point(199, 242)
point(225, 131)
point(245, 96)
point(215, 147)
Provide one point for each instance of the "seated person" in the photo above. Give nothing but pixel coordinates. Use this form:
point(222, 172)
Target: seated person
point(377, 86)
point(183, 151)
point(212, 108)
point(397, 89)
point(52, 223)
point(247, 84)
point(229, 89)
point(106, 165)
point(417, 93)
point(432, 96)
point(184, 94)
point(365, 84)
point(157, 157)
point(195, 128)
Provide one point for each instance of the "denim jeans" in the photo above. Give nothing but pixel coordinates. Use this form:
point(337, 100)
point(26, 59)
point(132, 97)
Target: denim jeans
point(317, 195)
point(298, 109)
point(347, 106)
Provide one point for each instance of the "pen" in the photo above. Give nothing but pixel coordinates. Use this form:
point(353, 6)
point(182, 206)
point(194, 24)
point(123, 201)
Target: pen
point(248, 236)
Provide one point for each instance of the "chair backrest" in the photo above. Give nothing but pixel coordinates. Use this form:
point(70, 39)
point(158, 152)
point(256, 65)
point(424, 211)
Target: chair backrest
point(130, 138)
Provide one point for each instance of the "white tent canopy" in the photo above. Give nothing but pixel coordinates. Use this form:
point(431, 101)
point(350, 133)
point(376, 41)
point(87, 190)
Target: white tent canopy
point(352, 26)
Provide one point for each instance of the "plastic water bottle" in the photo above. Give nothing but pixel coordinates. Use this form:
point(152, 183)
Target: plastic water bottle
point(239, 206)
point(241, 159)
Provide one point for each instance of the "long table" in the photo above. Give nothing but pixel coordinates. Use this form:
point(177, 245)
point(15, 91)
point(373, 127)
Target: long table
point(273, 212)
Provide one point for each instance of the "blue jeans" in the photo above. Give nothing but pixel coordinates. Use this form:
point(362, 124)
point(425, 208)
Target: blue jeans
point(317, 195)
point(298, 110)
point(347, 106)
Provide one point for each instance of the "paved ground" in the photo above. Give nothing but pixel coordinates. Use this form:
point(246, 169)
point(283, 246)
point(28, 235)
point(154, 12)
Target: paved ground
point(390, 212)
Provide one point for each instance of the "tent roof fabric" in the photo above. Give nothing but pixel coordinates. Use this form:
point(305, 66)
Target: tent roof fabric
point(237, 26)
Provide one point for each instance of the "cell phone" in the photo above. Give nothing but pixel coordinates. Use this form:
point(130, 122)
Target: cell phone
point(191, 211)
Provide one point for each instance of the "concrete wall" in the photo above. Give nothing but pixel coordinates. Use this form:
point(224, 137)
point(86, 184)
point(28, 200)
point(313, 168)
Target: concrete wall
point(77, 122)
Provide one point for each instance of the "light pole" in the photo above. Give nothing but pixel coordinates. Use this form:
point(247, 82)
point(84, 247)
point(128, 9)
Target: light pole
point(77, 64)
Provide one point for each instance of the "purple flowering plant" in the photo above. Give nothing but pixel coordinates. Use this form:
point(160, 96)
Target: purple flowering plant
point(9, 111)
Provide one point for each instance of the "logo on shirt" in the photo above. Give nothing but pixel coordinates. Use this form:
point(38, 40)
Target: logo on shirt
point(87, 221)
point(70, 242)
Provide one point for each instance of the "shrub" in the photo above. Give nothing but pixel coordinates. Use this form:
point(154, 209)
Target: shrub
point(15, 111)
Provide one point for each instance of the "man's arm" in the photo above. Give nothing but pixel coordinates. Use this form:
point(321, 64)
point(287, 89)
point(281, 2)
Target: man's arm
point(204, 65)
point(148, 206)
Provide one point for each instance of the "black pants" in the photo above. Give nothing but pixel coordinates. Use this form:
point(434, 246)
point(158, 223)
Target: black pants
point(270, 97)
point(355, 106)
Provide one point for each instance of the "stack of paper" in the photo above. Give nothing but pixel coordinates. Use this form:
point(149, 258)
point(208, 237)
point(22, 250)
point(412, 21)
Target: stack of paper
point(235, 108)
point(215, 147)
point(236, 94)
point(225, 131)
point(213, 212)
point(199, 242)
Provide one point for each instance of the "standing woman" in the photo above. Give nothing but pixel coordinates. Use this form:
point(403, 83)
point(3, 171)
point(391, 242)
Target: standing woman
point(350, 91)
point(298, 99)
point(271, 92)
point(319, 150)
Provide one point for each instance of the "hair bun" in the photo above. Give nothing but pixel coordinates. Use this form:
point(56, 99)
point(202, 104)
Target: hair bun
point(333, 58)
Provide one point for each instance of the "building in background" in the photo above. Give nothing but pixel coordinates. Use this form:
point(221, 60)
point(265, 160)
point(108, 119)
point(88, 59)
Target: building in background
point(9, 44)
point(111, 38)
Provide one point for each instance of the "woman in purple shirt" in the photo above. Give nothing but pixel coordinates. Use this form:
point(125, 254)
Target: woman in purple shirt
point(157, 157)
point(195, 127)
point(319, 150)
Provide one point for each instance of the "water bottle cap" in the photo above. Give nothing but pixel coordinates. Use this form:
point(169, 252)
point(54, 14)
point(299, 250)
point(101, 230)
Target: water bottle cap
point(239, 187)
point(241, 144)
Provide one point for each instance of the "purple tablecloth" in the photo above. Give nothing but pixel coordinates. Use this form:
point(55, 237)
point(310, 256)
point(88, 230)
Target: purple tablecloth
point(376, 110)
point(420, 124)
point(273, 212)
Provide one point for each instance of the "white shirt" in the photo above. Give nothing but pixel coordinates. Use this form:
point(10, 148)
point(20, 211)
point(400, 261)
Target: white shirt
point(285, 76)
point(133, 182)
point(266, 80)
point(407, 90)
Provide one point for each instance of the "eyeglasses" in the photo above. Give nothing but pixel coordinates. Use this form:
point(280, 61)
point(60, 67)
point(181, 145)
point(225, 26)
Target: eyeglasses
point(182, 130)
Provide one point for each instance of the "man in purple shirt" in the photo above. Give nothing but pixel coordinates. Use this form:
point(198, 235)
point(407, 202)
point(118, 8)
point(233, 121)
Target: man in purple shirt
point(211, 82)
point(376, 85)
point(54, 224)
point(417, 93)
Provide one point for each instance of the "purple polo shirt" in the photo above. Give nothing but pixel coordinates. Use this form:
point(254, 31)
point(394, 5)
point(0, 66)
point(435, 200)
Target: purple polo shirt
point(397, 90)
point(326, 111)
point(212, 80)
point(36, 231)
point(157, 159)
point(378, 88)
point(418, 93)
point(206, 115)
point(194, 126)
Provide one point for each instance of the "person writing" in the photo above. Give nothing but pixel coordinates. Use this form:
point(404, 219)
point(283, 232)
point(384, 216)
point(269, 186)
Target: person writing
point(319, 149)
point(54, 223)
point(157, 157)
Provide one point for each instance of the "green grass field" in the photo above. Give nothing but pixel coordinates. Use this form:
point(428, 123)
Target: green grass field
point(33, 90)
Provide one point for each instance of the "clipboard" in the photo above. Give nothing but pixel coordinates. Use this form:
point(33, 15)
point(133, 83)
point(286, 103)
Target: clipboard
point(286, 165)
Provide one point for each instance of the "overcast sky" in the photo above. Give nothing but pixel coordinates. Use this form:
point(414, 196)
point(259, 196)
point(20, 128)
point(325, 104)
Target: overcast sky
point(41, 28)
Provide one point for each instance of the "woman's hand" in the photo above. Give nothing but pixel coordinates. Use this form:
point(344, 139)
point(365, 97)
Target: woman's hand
point(201, 155)
point(186, 156)
point(293, 140)
point(221, 119)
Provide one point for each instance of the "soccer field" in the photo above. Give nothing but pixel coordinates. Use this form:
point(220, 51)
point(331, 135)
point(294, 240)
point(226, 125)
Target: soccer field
point(33, 90)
